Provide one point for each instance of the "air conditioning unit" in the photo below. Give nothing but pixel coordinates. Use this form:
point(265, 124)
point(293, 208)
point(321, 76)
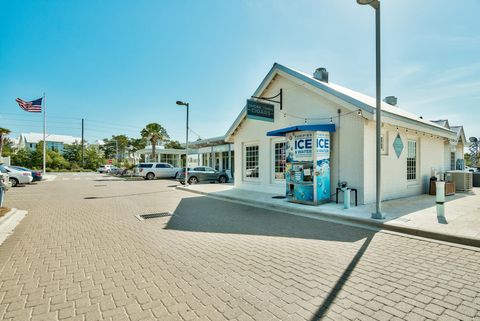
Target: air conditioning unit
point(463, 180)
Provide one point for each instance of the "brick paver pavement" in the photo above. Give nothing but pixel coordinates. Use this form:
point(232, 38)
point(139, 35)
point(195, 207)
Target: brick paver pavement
point(81, 254)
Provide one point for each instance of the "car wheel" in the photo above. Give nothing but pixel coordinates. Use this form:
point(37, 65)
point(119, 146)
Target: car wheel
point(14, 181)
point(150, 176)
point(222, 179)
point(193, 180)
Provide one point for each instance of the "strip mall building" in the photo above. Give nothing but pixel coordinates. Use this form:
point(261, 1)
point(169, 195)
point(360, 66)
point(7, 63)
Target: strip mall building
point(412, 148)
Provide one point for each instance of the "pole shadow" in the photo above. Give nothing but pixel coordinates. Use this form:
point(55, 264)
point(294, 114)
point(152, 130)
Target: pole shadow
point(323, 309)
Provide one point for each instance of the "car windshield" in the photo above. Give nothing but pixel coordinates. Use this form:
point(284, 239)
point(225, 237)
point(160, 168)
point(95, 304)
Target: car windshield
point(3, 169)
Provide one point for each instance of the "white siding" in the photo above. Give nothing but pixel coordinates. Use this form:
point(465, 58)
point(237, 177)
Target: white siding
point(300, 101)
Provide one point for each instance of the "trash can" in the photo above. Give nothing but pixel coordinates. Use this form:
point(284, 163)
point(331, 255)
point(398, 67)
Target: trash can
point(431, 189)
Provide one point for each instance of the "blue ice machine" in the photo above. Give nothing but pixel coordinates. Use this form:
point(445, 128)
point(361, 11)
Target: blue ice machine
point(307, 172)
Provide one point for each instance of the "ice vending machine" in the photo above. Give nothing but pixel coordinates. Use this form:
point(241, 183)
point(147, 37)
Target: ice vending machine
point(307, 172)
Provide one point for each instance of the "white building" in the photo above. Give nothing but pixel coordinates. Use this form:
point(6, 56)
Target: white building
point(54, 142)
point(412, 148)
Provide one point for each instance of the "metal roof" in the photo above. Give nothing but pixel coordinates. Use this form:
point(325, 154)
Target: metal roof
point(355, 99)
point(37, 137)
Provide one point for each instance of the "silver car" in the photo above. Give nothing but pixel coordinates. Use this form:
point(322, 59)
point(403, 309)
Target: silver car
point(203, 174)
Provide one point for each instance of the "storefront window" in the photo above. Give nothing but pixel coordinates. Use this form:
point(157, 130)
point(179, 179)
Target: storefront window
point(279, 160)
point(412, 160)
point(251, 161)
point(168, 158)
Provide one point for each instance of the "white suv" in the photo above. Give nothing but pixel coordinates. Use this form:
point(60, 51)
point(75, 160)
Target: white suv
point(104, 169)
point(156, 170)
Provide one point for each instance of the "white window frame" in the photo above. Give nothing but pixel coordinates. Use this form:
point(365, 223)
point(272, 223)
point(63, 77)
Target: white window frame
point(384, 143)
point(272, 160)
point(244, 165)
point(453, 161)
point(410, 140)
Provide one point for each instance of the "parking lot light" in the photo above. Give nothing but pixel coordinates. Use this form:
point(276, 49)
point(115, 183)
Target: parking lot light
point(181, 103)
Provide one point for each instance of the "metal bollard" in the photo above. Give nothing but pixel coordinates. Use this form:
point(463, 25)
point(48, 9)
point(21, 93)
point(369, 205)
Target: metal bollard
point(346, 198)
point(440, 199)
point(2, 194)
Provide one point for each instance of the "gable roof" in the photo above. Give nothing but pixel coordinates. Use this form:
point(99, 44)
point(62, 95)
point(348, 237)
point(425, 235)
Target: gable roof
point(352, 98)
point(442, 122)
point(460, 134)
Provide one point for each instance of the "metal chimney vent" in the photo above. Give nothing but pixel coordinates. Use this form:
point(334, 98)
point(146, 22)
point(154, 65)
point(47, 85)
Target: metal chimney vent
point(321, 74)
point(391, 100)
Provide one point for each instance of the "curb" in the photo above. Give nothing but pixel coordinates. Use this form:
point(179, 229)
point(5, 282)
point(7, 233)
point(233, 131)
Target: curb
point(9, 221)
point(357, 221)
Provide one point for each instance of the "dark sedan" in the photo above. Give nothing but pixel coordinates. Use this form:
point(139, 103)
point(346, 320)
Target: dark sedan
point(203, 174)
point(36, 175)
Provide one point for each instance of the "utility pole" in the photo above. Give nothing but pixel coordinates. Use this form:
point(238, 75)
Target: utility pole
point(116, 151)
point(83, 144)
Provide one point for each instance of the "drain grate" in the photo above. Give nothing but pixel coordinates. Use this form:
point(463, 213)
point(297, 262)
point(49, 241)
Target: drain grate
point(279, 197)
point(142, 217)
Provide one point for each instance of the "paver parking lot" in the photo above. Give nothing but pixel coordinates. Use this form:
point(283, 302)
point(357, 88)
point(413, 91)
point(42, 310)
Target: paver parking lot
point(81, 254)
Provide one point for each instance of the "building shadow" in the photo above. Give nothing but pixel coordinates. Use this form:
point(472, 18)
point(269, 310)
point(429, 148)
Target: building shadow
point(209, 215)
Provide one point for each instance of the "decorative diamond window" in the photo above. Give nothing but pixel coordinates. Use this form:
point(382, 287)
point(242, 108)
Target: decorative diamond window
point(398, 145)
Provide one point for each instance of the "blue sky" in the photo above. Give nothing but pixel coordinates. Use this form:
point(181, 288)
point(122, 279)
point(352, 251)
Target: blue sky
point(122, 64)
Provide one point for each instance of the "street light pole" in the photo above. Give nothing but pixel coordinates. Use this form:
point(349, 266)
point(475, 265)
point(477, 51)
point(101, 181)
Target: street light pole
point(378, 109)
point(181, 103)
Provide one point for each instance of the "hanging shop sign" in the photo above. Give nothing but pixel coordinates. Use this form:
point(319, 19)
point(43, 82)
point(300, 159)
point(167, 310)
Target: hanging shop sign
point(260, 111)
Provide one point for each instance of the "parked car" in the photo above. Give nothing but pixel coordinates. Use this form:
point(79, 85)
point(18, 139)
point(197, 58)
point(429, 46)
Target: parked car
point(36, 175)
point(156, 170)
point(103, 169)
point(203, 174)
point(4, 178)
point(117, 170)
point(17, 177)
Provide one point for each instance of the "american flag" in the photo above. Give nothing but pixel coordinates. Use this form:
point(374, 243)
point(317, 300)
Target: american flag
point(34, 106)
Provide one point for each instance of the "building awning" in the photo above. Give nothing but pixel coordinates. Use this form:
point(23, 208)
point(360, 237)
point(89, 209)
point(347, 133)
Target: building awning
point(320, 127)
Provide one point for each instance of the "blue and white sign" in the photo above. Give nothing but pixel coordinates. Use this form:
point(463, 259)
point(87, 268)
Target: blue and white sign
point(300, 146)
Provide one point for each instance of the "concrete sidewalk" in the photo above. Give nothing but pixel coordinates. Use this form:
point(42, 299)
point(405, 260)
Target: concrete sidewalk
point(412, 215)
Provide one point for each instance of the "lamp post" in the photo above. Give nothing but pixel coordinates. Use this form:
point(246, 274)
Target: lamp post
point(378, 113)
point(181, 103)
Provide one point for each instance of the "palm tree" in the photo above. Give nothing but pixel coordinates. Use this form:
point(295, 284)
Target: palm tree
point(154, 132)
point(3, 134)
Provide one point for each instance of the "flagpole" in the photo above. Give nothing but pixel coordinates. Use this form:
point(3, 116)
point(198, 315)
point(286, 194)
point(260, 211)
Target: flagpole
point(44, 134)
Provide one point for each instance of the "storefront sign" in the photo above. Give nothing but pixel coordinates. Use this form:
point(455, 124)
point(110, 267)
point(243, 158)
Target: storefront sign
point(260, 111)
point(303, 147)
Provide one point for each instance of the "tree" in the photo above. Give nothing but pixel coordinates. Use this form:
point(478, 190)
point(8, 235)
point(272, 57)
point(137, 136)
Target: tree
point(7, 147)
point(173, 144)
point(73, 153)
point(22, 158)
point(154, 132)
point(93, 158)
point(137, 143)
point(3, 134)
point(120, 141)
